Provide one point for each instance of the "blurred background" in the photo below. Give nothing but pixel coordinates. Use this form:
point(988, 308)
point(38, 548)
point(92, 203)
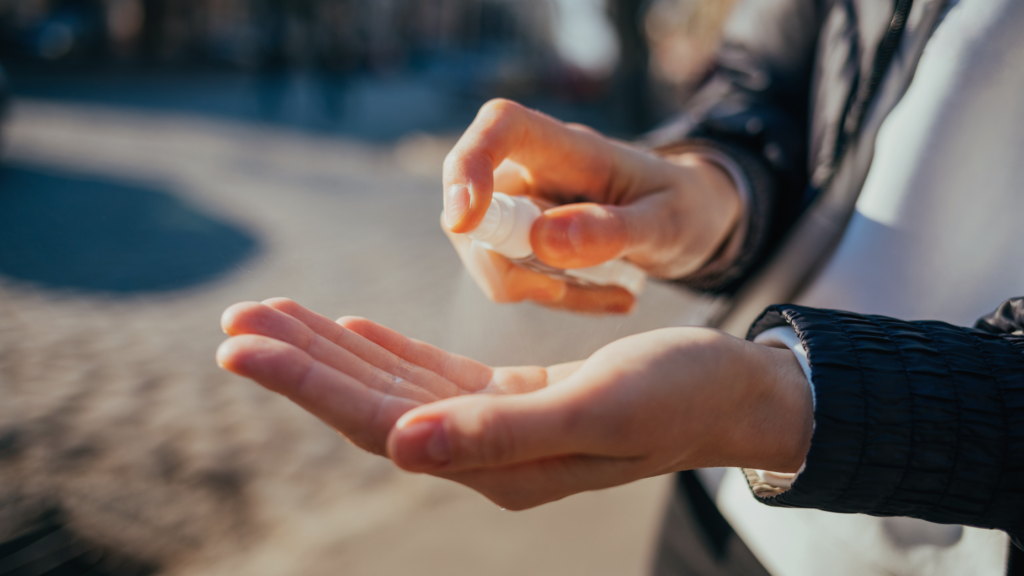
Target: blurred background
point(163, 159)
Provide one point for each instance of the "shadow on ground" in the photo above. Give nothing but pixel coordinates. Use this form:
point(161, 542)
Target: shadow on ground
point(49, 548)
point(93, 233)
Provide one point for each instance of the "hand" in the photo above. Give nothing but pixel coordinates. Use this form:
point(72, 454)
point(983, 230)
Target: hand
point(619, 202)
point(649, 404)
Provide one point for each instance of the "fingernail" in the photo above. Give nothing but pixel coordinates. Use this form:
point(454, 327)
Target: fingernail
point(558, 236)
point(456, 204)
point(575, 234)
point(423, 444)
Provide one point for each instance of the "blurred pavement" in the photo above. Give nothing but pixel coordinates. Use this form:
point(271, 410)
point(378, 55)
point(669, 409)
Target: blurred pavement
point(125, 234)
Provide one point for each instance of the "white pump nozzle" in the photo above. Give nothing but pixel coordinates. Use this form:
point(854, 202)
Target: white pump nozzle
point(505, 229)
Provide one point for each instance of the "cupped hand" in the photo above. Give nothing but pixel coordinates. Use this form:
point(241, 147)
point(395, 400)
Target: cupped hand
point(648, 404)
point(616, 201)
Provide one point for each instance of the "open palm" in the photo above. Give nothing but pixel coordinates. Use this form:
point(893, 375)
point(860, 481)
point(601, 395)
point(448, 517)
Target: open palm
point(356, 375)
point(647, 404)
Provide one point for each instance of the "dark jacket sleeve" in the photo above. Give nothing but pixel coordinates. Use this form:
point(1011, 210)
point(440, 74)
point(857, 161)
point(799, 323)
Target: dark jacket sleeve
point(921, 419)
point(754, 107)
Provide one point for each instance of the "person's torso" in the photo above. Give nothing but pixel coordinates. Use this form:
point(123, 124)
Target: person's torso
point(933, 237)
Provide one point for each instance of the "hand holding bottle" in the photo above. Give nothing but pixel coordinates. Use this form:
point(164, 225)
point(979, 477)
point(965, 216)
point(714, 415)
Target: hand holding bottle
point(506, 229)
point(614, 201)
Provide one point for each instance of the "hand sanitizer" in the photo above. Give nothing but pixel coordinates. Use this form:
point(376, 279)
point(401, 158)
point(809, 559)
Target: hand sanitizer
point(505, 229)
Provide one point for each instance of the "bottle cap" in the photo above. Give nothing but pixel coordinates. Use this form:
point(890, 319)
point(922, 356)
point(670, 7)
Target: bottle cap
point(505, 228)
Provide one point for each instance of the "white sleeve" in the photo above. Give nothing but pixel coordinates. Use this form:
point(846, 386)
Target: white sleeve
point(785, 337)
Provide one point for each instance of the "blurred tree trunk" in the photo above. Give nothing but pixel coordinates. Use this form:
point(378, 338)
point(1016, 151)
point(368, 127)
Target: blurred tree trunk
point(630, 98)
point(154, 15)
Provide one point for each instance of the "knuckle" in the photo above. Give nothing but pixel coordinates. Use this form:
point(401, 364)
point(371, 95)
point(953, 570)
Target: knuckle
point(452, 159)
point(501, 107)
point(583, 128)
point(494, 442)
point(354, 323)
point(282, 304)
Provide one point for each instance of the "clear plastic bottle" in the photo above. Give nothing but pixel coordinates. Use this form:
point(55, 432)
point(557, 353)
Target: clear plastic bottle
point(505, 229)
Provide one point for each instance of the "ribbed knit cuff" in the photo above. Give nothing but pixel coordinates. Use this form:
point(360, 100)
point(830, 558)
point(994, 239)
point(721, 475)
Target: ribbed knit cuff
point(921, 419)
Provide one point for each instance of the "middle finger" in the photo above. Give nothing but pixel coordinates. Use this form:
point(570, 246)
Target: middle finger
point(259, 319)
point(370, 352)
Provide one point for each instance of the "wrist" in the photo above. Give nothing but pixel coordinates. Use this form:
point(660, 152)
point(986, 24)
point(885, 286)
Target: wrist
point(713, 212)
point(776, 432)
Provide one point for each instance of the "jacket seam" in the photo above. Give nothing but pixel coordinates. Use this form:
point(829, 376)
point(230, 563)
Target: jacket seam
point(959, 424)
point(913, 414)
point(977, 344)
point(864, 422)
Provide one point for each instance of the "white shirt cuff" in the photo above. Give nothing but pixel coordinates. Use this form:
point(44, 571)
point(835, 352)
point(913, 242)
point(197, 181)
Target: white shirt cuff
point(785, 337)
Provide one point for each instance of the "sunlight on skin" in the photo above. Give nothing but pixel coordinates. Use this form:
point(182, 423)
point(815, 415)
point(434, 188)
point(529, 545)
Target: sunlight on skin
point(356, 353)
point(502, 281)
point(648, 404)
point(666, 215)
point(644, 405)
point(347, 374)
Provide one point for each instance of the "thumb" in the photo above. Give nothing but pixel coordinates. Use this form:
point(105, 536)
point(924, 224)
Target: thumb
point(484, 431)
point(587, 234)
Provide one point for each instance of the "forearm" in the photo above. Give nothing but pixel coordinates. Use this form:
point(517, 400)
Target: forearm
point(754, 108)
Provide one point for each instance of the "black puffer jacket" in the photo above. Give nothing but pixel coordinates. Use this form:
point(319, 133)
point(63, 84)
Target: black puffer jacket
point(921, 419)
point(788, 94)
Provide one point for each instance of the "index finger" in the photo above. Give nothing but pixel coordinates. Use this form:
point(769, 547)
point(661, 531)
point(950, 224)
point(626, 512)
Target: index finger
point(503, 281)
point(544, 146)
point(465, 372)
point(368, 350)
point(363, 415)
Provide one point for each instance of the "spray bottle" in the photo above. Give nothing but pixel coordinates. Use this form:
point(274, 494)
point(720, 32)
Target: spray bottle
point(505, 229)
